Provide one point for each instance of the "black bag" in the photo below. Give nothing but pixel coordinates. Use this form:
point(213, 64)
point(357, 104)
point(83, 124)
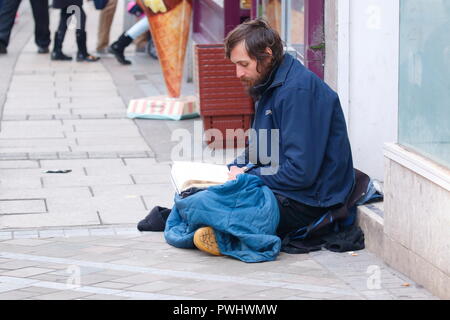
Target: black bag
point(157, 217)
point(155, 220)
point(334, 230)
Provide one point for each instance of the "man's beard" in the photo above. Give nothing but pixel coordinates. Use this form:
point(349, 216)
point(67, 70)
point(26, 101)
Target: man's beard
point(252, 85)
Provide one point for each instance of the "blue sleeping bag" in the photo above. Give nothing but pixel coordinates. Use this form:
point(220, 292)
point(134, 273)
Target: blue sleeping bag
point(243, 213)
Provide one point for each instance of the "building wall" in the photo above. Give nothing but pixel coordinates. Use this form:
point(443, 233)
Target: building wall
point(331, 43)
point(416, 219)
point(413, 235)
point(367, 75)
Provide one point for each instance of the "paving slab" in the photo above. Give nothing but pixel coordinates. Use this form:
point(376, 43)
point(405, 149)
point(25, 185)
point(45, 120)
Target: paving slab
point(171, 280)
point(165, 279)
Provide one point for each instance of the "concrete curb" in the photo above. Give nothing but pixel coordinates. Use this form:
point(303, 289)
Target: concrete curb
point(372, 225)
point(395, 255)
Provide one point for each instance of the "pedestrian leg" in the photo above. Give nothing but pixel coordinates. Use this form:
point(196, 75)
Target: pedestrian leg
point(57, 53)
point(104, 24)
point(42, 24)
point(118, 47)
point(81, 35)
point(7, 16)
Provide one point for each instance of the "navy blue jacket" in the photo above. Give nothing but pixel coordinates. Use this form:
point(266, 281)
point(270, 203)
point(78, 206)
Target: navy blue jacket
point(315, 160)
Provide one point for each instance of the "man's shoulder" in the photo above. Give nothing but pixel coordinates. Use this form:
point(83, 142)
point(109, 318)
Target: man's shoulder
point(301, 78)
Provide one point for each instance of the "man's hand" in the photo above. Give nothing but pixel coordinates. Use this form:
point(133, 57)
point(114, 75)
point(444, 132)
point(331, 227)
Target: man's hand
point(234, 172)
point(156, 5)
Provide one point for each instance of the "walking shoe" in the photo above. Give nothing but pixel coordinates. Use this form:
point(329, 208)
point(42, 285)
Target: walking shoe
point(86, 57)
point(57, 54)
point(3, 49)
point(118, 48)
point(42, 50)
point(205, 240)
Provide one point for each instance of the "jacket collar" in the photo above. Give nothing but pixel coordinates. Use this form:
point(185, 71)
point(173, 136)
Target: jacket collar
point(277, 76)
point(283, 69)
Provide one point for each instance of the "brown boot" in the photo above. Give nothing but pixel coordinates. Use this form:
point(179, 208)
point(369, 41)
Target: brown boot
point(205, 240)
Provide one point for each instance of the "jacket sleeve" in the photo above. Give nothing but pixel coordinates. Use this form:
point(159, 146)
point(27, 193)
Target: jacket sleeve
point(304, 129)
point(241, 160)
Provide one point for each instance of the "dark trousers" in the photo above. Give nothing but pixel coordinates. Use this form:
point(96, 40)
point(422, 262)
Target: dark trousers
point(8, 13)
point(66, 13)
point(295, 215)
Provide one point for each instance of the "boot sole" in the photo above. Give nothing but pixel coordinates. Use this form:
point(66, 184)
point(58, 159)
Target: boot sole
point(60, 59)
point(83, 59)
point(118, 58)
point(205, 240)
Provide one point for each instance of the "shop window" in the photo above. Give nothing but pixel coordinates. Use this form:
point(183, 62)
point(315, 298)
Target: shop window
point(219, 2)
point(424, 84)
point(246, 4)
point(271, 10)
point(288, 18)
point(296, 25)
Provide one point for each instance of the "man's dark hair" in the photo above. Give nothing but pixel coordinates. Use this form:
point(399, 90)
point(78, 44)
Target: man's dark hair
point(258, 35)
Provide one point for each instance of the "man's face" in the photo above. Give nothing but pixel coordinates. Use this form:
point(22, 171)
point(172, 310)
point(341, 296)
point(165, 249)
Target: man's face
point(245, 66)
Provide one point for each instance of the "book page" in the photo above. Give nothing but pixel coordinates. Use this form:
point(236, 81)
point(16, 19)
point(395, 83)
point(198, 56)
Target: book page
point(197, 174)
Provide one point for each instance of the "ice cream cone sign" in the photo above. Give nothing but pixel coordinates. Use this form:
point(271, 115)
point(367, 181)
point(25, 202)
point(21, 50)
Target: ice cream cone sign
point(169, 22)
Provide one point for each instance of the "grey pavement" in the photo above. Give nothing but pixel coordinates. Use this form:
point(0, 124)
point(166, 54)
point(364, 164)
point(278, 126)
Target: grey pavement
point(73, 235)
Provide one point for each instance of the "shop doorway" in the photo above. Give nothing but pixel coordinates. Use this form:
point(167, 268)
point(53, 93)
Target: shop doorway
point(301, 26)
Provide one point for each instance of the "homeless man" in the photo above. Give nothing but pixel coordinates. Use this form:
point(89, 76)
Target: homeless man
point(314, 170)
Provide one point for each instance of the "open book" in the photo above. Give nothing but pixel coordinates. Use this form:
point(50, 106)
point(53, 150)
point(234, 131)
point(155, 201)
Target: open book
point(187, 174)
